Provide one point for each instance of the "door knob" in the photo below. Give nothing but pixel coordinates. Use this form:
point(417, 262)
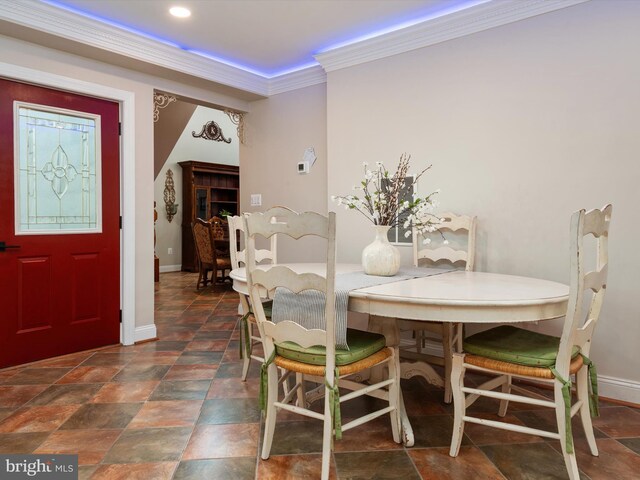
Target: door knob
point(4, 246)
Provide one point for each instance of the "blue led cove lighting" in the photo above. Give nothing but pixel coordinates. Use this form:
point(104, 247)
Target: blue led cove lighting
point(453, 7)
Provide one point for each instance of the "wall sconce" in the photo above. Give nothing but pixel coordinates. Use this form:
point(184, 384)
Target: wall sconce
point(170, 196)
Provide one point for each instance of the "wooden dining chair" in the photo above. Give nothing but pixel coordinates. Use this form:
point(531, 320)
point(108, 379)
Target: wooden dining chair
point(208, 260)
point(219, 232)
point(448, 335)
point(218, 227)
point(312, 352)
point(508, 352)
point(249, 337)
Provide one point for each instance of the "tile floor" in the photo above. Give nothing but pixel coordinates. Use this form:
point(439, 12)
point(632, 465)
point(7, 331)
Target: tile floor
point(176, 408)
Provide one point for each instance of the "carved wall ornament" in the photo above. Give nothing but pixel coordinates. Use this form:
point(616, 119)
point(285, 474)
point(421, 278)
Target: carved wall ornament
point(211, 131)
point(161, 100)
point(170, 204)
point(237, 118)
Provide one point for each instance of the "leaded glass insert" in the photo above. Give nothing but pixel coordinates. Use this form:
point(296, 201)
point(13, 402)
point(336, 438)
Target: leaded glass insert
point(57, 171)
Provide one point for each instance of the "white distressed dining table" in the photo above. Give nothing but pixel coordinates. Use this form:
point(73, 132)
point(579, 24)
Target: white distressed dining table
point(452, 296)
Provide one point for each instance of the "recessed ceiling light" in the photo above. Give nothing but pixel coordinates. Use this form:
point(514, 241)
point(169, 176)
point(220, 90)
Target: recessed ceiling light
point(180, 12)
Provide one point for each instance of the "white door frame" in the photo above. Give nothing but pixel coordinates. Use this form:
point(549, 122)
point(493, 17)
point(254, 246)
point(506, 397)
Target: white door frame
point(127, 175)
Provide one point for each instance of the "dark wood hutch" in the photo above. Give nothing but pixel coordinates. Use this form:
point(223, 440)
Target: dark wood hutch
point(208, 189)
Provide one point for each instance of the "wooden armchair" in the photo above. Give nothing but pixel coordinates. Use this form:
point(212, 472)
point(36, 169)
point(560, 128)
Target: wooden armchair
point(218, 227)
point(208, 259)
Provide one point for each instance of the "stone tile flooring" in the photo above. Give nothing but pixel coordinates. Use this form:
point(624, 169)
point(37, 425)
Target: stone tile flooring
point(176, 408)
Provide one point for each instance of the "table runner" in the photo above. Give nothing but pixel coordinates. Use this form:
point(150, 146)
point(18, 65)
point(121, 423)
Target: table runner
point(307, 308)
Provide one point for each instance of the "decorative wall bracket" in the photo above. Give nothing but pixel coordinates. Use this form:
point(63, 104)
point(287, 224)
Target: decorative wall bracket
point(170, 196)
point(237, 118)
point(161, 100)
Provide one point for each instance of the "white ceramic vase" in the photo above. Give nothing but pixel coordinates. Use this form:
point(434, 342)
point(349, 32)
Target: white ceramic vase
point(380, 257)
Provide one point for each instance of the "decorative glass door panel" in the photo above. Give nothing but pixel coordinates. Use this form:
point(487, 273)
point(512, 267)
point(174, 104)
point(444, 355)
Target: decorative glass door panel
point(202, 202)
point(57, 171)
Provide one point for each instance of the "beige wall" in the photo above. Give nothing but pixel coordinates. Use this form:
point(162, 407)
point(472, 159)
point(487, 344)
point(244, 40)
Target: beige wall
point(278, 130)
point(167, 129)
point(46, 60)
point(524, 124)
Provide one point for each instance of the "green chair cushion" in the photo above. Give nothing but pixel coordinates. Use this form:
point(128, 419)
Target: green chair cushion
point(516, 345)
point(361, 345)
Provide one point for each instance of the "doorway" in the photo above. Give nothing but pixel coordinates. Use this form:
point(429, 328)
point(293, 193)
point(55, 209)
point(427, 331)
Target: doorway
point(187, 133)
point(60, 236)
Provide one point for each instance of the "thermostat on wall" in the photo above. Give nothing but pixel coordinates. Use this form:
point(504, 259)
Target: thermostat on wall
point(303, 167)
point(308, 159)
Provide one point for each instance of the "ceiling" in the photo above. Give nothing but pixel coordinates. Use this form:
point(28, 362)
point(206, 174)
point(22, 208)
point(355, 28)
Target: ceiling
point(265, 37)
point(250, 49)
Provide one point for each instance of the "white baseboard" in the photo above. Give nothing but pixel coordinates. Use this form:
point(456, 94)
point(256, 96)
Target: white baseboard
point(170, 268)
point(609, 387)
point(146, 332)
point(619, 389)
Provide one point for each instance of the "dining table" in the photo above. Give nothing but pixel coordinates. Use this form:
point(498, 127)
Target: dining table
point(455, 296)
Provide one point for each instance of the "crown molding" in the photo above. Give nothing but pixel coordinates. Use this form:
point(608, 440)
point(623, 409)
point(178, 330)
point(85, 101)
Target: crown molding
point(57, 21)
point(88, 31)
point(493, 13)
point(292, 81)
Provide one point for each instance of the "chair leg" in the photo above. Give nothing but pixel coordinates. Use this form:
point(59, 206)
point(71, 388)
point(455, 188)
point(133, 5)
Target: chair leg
point(459, 409)
point(199, 279)
point(504, 404)
point(205, 277)
point(459, 329)
point(394, 395)
point(448, 349)
point(301, 393)
point(569, 458)
point(246, 355)
point(582, 387)
point(327, 434)
point(270, 420)
point(285, 383)
point(201, 270)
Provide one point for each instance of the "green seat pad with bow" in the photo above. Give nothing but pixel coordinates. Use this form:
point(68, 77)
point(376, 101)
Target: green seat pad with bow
point(516, 345)
point(361, 345)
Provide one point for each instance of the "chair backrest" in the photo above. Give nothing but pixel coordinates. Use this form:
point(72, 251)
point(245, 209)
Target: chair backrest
point(238, 256)
point(261, 279)
point(218, 227)
point(203, 240)
point(578, 327)
point(452, 223)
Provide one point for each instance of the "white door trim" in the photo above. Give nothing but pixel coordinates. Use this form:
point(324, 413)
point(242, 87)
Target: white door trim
point(127, 177)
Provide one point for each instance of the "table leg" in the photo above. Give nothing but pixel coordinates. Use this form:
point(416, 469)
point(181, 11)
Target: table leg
point(426, 371)
point(389, 328)
point(420, 362)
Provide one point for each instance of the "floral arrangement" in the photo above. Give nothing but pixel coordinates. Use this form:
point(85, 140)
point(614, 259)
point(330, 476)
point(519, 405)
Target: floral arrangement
point(380, 201)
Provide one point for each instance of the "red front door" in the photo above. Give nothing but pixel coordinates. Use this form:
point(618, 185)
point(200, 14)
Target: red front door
point(59, 223)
